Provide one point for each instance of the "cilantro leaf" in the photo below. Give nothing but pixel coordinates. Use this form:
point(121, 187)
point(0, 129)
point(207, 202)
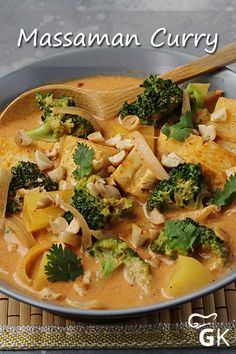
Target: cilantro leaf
point(227, 194)
point(181, 236)
point(63, 264)
point(83, 157)
point(181, 130)
point(177, 237)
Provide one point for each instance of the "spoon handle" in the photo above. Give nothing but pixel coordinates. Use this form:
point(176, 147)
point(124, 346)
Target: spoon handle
point(222, 57)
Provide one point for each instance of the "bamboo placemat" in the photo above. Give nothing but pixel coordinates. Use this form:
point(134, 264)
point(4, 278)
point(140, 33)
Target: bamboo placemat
point(26, 327)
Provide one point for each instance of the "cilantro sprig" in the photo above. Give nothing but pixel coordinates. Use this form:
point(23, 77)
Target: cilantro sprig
point(176, 236)
point(227, 194)
point(181, 130)
point(83, 157)
point(63, 264)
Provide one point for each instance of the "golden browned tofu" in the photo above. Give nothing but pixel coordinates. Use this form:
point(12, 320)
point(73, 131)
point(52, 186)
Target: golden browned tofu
point(226, 130)
point(228, 145)
point(11, 153)
point(101, 153)
point(133, 176)
point(214, 159)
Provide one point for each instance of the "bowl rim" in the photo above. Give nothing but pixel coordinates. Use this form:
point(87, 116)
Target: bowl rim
point(9, 290)
point(116, 313)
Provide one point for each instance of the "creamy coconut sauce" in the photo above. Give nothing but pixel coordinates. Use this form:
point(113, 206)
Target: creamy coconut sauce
point(114, 292)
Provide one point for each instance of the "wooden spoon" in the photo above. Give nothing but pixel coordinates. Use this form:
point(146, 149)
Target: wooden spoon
point(106, 104)
point(25, 105)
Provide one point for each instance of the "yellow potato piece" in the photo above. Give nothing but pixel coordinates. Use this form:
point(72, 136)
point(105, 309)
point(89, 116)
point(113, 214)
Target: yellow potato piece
point(226, 130)
point(214, 159)
point(11, 153)
point(101, 152)
point(187, 276)
point(40, 280)
point(37, 219)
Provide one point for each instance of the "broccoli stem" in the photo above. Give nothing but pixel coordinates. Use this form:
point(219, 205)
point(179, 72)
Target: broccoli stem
point(42, 132)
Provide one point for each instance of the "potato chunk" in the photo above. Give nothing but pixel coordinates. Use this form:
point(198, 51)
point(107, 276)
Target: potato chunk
point(37, 219)
point(226, 130)
point(187, 275)
point(214, 159)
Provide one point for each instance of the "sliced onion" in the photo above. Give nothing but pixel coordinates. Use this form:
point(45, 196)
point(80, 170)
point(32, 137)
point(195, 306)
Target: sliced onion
point(149, 158)
point(78, 112)
point(69, 238)
point(131, 122)
point(186, 107)
point(90, 304)
point(49, 294)
point(25, 237)
point(200, 214)
point(30, 258)
point(86, 234)
point(99, 234)
point(5, 178)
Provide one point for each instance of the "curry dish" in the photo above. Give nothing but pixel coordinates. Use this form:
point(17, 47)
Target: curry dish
point(122, 212)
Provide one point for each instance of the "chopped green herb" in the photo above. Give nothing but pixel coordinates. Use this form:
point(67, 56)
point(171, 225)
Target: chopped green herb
point(63, 264)
point(176, 237)
point(227, 194)
point(181, 130)
point(83, 157)
point(184, 236)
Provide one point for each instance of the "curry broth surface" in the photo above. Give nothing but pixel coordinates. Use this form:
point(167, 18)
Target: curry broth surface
point(114, 292)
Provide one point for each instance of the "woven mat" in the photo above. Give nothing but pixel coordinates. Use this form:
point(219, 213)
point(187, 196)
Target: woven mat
point(26, 327)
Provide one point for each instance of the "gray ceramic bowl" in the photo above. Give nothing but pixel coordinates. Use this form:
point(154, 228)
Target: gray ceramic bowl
point(106, 61)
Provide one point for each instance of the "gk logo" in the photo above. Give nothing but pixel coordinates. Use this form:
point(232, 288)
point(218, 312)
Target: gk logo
point(206, 336)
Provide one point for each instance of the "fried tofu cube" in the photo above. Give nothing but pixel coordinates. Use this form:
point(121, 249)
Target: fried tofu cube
point(146, 130)
point(214, 159)
point(11, 153)
point(101, 153)
point(133, 176)
point(226, 130)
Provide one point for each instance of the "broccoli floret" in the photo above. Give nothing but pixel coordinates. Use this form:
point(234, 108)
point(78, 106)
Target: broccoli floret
point(208, 240)
point(14, 204)
point(137, 272)
point(110, 254)
point(46, 102)
point(184, 188)
point(160, 97)
point(97, 211)
point(28, 176)
point(92, 208)
point(177, 237)
point(81, 126)
point(56, 125)
point(185, 236)
point(68, 216)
